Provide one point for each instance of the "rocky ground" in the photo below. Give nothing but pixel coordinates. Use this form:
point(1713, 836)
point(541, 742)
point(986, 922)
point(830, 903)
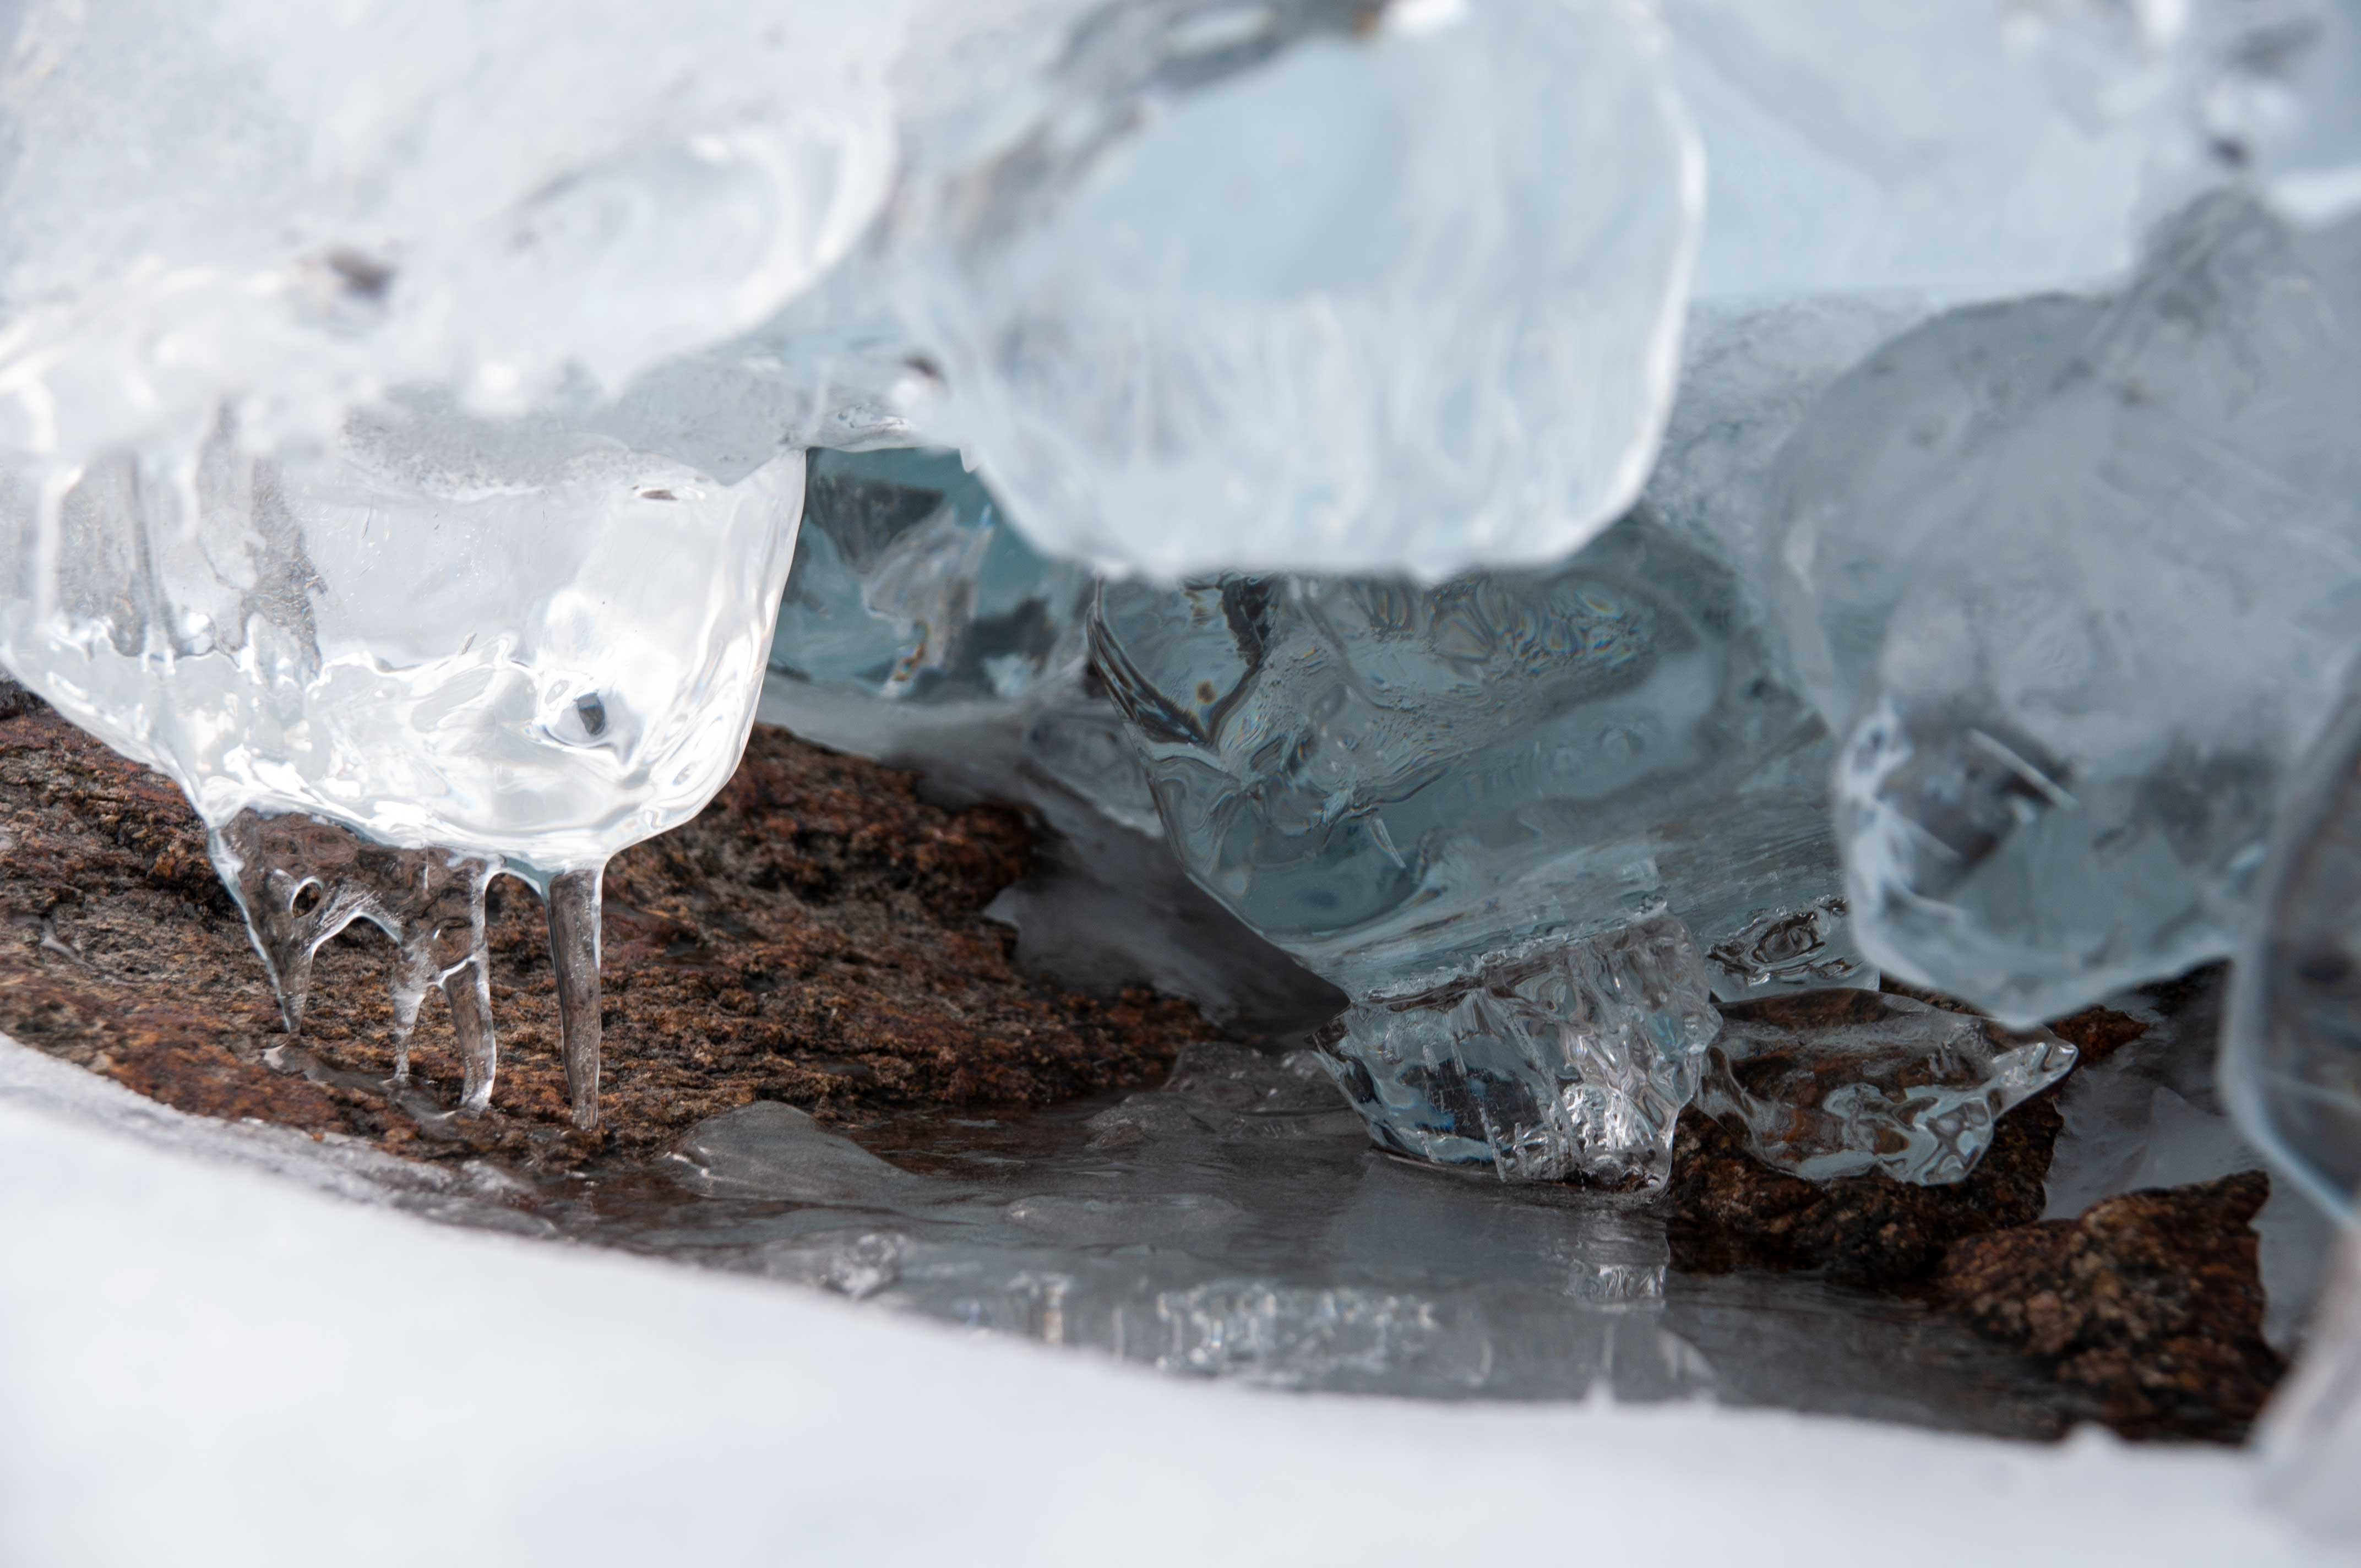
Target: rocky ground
point(816, 938)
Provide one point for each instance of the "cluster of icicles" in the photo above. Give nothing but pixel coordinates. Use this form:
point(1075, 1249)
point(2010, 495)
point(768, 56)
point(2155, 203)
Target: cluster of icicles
point(300, 880)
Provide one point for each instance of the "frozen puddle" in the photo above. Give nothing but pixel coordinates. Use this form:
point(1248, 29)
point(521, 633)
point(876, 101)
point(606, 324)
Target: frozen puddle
point(1237, 1226)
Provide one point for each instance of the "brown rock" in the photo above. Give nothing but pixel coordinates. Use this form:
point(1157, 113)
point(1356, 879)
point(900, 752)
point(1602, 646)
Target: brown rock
point(1730, 1211)
point(816, 937)
point(2152, 1299)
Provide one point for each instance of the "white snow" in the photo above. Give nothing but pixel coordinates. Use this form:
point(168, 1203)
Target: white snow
point(202, 1361)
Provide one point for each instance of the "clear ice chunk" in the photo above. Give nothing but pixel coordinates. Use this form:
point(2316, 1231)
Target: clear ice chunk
point(909, 584)
point(1368, 285)
point(2092, 568)
point(518, 644)
point(1966, 150)
point(1396, 784)
point(767, 1150)
point(1834, 1083)
point(2291, 1060)
point(1399, 785)
point(1570, 1059)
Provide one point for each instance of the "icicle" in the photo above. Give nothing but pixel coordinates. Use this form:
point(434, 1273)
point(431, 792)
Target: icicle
point(573, 898)
point(300, 880)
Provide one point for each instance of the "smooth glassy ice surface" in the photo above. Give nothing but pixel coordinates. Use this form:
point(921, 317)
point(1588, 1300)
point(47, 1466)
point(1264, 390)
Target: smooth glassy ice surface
point(2092, 569)
point(1236, 1225)
point(1838, 1083)
point(2292, 1049)
point(1321, 286)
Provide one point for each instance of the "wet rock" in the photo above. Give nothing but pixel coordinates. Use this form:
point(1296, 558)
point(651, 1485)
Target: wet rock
point(815, 938)
point(1729, 1211)
point(2152, 1299)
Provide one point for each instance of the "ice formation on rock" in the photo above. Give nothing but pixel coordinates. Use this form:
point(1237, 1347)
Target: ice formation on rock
point(1841, 1083)
point(1400, 785)
point(481, 645)
point(1570, 1059)
point(2079, 577)
point(1397, 784)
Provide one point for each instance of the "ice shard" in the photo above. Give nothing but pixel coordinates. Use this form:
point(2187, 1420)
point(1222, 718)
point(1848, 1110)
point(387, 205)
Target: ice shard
point(2291, 1040)
point(1833, 1084)
point(1568, 1059)
point(2079, 577)
point(1331, 285)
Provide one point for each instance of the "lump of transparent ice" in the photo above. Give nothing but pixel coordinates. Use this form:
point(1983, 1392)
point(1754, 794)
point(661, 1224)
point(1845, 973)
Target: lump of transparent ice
point(2291, 1041)
point(1395, 784)
point(2081, 576)
point(1569, 1060)
point(1375, 286)
point(514, 645)
point(909, 584)
point(1400, 785)
point(1843, 1083)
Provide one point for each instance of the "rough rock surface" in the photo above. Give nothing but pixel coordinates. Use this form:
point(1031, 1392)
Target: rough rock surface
point(816, 937)
point(2152, 1299)
point(1731, 1211)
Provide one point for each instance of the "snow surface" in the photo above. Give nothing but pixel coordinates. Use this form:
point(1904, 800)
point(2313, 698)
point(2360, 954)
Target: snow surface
point(203, 1361)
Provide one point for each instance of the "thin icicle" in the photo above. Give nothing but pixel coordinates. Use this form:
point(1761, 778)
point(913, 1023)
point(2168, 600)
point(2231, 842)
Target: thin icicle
point(300, 880)
point(573, 953)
